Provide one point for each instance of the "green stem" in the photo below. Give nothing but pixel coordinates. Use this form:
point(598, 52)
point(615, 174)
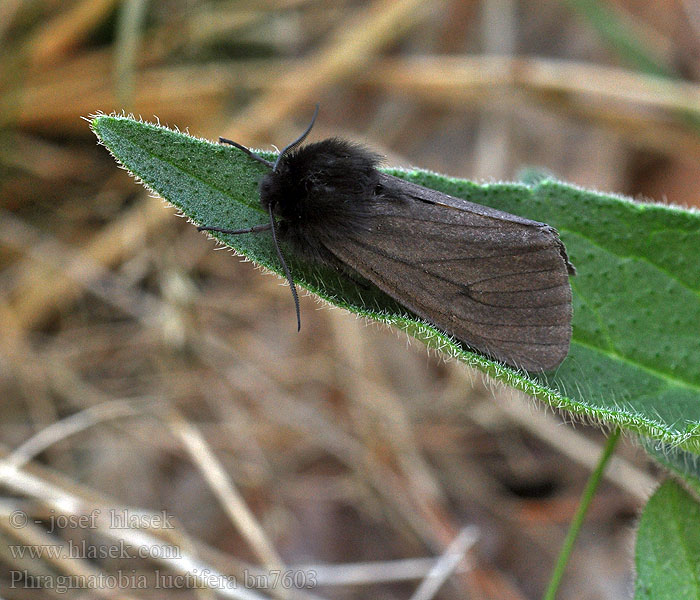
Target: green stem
point(577, 522)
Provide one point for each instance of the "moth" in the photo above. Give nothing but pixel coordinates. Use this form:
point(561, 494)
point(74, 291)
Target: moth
point(497, 282)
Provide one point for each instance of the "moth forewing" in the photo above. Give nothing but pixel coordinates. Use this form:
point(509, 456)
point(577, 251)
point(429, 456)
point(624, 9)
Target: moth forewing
point(495, 281)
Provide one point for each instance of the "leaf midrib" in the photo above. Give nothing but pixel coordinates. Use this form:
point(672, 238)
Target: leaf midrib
point(187, 172)
point(659, 374)
point(634, 257)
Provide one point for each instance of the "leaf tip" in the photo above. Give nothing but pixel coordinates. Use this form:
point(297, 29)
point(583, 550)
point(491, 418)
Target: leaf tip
point(96, 122)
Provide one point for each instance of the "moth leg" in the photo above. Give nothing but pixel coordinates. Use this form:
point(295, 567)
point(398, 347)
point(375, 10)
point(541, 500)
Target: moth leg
point(248, 151)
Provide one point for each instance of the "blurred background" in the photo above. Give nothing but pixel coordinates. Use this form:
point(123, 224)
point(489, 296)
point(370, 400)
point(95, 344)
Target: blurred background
point(141, 371)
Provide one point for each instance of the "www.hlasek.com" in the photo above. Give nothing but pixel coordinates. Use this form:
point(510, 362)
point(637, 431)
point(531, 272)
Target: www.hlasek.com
point(83, 550)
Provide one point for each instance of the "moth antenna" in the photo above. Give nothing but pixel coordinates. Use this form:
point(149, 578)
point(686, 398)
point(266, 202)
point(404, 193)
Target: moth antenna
point(254, 229)
point(287, 273)
point(248, 151)
point(298, 141)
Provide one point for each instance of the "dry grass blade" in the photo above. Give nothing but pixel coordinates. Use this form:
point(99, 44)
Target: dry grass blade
point(147, 544)
point(81, 571)
point(224, 489)
point(116, 409)
point(354, 43)
point(66, 31)
point(387, 414)
point(453, 555)
point(617, 98)
point(370, 573)
point(43, 291)
point(80, 270)
point(577, 447)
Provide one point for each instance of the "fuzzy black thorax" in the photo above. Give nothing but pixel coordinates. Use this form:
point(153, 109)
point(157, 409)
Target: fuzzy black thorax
point(321, 187)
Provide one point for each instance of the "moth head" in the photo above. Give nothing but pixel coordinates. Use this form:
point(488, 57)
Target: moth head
point(277, 188)
point(274, 189)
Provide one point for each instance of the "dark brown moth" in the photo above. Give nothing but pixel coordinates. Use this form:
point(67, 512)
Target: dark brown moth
point(497, 282)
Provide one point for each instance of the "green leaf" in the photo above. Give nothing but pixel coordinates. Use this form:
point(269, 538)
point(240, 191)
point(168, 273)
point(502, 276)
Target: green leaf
point(635, 354)
point(668, 546)
point(682, 464)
